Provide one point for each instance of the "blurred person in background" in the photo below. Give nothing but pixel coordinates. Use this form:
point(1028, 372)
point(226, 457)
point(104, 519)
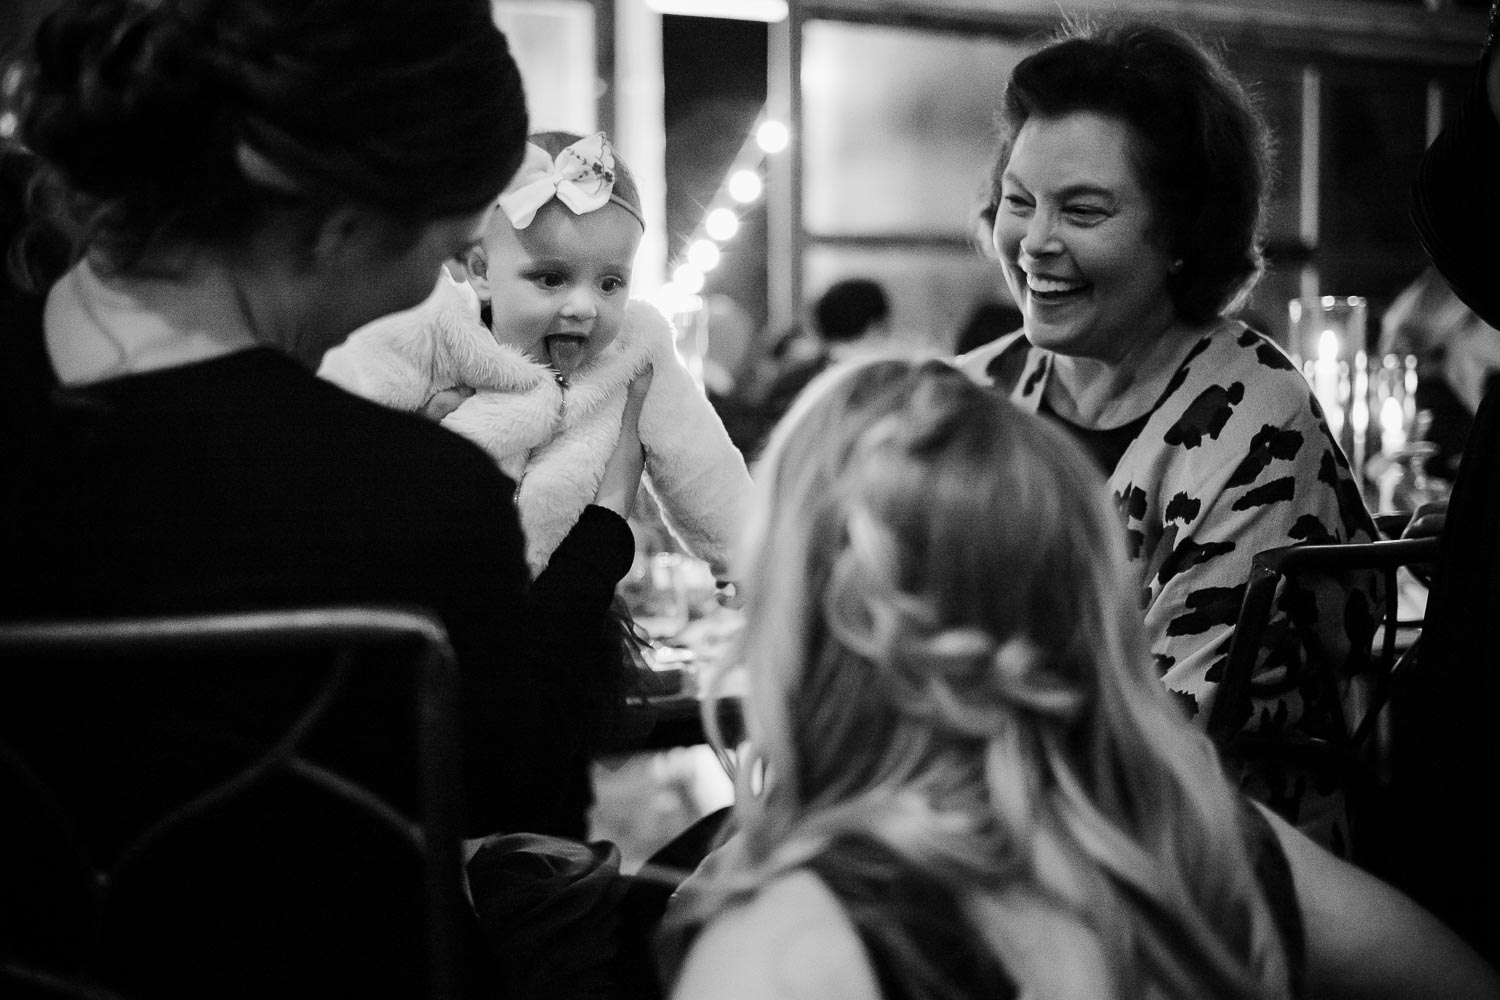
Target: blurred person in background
point(1457, 354)
point(850, 316)
point(987, 322)
point(1126, 202)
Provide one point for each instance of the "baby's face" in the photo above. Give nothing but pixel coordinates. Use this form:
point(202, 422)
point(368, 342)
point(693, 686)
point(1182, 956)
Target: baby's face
point(558, 288)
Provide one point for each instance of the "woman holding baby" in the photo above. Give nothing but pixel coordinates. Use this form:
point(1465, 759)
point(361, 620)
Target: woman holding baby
point(237, 203)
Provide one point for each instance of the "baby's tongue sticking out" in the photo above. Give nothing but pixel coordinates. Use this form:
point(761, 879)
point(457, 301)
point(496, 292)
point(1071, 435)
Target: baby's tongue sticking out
point(565, 353)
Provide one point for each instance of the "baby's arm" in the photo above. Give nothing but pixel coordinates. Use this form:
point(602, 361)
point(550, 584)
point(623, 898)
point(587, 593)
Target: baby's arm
point(693, 468)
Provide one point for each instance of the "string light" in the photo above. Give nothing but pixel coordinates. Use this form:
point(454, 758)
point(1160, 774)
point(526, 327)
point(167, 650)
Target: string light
point(688, 279)
point(772, 136)
point(721, 224)
point(745, 186)
point(704, 255)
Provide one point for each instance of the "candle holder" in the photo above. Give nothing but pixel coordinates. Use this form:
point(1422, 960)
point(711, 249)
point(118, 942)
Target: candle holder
point(1327, 343)
point(1331, 327)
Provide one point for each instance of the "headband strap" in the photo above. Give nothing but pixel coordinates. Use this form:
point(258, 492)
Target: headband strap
point(582, 177)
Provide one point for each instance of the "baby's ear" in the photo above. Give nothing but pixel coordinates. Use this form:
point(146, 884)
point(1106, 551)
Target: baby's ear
point(477, 264)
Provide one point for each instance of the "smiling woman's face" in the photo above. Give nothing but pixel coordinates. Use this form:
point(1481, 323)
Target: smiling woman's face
point(1077, 241)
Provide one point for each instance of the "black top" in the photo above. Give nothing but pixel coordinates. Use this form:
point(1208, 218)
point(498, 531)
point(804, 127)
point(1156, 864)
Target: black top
point(1106, 446)
point(1445, 721)
point(934, 921)
point(246, 482)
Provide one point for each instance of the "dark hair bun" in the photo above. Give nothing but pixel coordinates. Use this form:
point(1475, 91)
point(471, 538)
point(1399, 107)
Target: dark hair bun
point(119, 102)
point(180, 123)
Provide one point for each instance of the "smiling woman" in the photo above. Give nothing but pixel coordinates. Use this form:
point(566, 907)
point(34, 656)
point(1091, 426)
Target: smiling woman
point(1079, 243)
point(1126, 205)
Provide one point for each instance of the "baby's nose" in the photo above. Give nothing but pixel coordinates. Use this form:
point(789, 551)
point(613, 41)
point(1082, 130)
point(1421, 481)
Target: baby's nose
point(581, 304)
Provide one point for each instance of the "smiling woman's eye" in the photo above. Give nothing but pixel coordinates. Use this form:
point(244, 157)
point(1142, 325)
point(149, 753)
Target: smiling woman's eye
point(1015, 202)
point(1087, 213)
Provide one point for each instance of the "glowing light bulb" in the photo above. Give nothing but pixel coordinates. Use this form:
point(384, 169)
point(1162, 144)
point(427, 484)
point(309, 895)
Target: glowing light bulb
point(721, 224)
point(772, 136)
point(688, 279)
point(745, 186)
point(704, 255)
point(1328, 346)
point(1392, 426)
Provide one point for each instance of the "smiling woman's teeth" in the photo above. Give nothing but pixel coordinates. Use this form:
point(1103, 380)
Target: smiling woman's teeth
point(1051, 285)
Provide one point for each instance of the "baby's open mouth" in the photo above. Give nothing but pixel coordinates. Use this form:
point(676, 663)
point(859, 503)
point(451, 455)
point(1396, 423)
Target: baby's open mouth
point(565, 352)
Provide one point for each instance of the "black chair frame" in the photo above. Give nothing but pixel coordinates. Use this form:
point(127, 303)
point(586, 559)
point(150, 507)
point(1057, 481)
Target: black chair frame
point(345, 632)
point(1352, 752)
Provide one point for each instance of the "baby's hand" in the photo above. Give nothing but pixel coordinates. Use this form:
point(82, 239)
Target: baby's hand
point(622, 473)
point(444, 402)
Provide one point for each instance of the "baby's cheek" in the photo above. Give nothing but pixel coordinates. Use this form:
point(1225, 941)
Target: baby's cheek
point(605, 331)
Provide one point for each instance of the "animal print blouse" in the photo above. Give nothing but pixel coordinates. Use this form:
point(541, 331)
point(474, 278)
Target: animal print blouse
point(1234, 458)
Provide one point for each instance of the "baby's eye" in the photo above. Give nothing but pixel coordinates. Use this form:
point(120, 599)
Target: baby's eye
point(547, 279)
point(612, 284)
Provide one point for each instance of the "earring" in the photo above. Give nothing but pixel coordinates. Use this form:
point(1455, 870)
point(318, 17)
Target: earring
point(1175, 266)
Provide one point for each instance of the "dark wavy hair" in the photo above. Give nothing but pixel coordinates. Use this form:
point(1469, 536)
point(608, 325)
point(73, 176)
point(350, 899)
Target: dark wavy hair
point(1202, 151)
point(182, 123)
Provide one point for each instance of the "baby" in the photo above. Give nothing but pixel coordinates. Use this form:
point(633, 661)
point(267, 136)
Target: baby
point(551, 277)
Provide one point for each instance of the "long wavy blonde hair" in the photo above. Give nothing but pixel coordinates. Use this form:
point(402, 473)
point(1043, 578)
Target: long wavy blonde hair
point(944, 660)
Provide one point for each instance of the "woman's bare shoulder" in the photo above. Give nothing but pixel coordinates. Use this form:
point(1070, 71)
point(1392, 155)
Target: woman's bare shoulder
point(791, 941)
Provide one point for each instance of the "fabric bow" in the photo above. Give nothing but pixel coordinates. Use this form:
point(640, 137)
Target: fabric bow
point(582, 178)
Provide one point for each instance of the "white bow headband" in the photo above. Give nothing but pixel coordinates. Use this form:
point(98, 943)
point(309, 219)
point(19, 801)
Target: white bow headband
point(582, 177)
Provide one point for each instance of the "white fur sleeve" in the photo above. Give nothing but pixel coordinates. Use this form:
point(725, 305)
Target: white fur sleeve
point(695, 472)
point(399, 359)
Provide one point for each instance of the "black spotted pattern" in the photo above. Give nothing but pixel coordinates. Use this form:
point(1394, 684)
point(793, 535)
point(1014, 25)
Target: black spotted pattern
point(1276, 491)
point(1244, 461)
point(1206, 608)
point(1206, 415)
point(1132, 507)
point(1183, 508)
point(1269, 444)
point(1268, 355)
point(1190, 554)
point(1032, 380)
point(1310, 528)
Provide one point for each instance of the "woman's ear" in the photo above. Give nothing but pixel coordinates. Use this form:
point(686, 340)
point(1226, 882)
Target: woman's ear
point(336, 234)
point(478, 265)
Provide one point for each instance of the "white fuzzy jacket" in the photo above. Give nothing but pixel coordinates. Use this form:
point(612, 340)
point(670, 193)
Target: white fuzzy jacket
point(553, 441)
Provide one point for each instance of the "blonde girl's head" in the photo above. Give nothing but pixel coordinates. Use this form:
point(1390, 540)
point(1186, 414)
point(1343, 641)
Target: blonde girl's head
point(944, 653)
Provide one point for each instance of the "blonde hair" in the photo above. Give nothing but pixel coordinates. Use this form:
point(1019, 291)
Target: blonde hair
point(944, 653)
